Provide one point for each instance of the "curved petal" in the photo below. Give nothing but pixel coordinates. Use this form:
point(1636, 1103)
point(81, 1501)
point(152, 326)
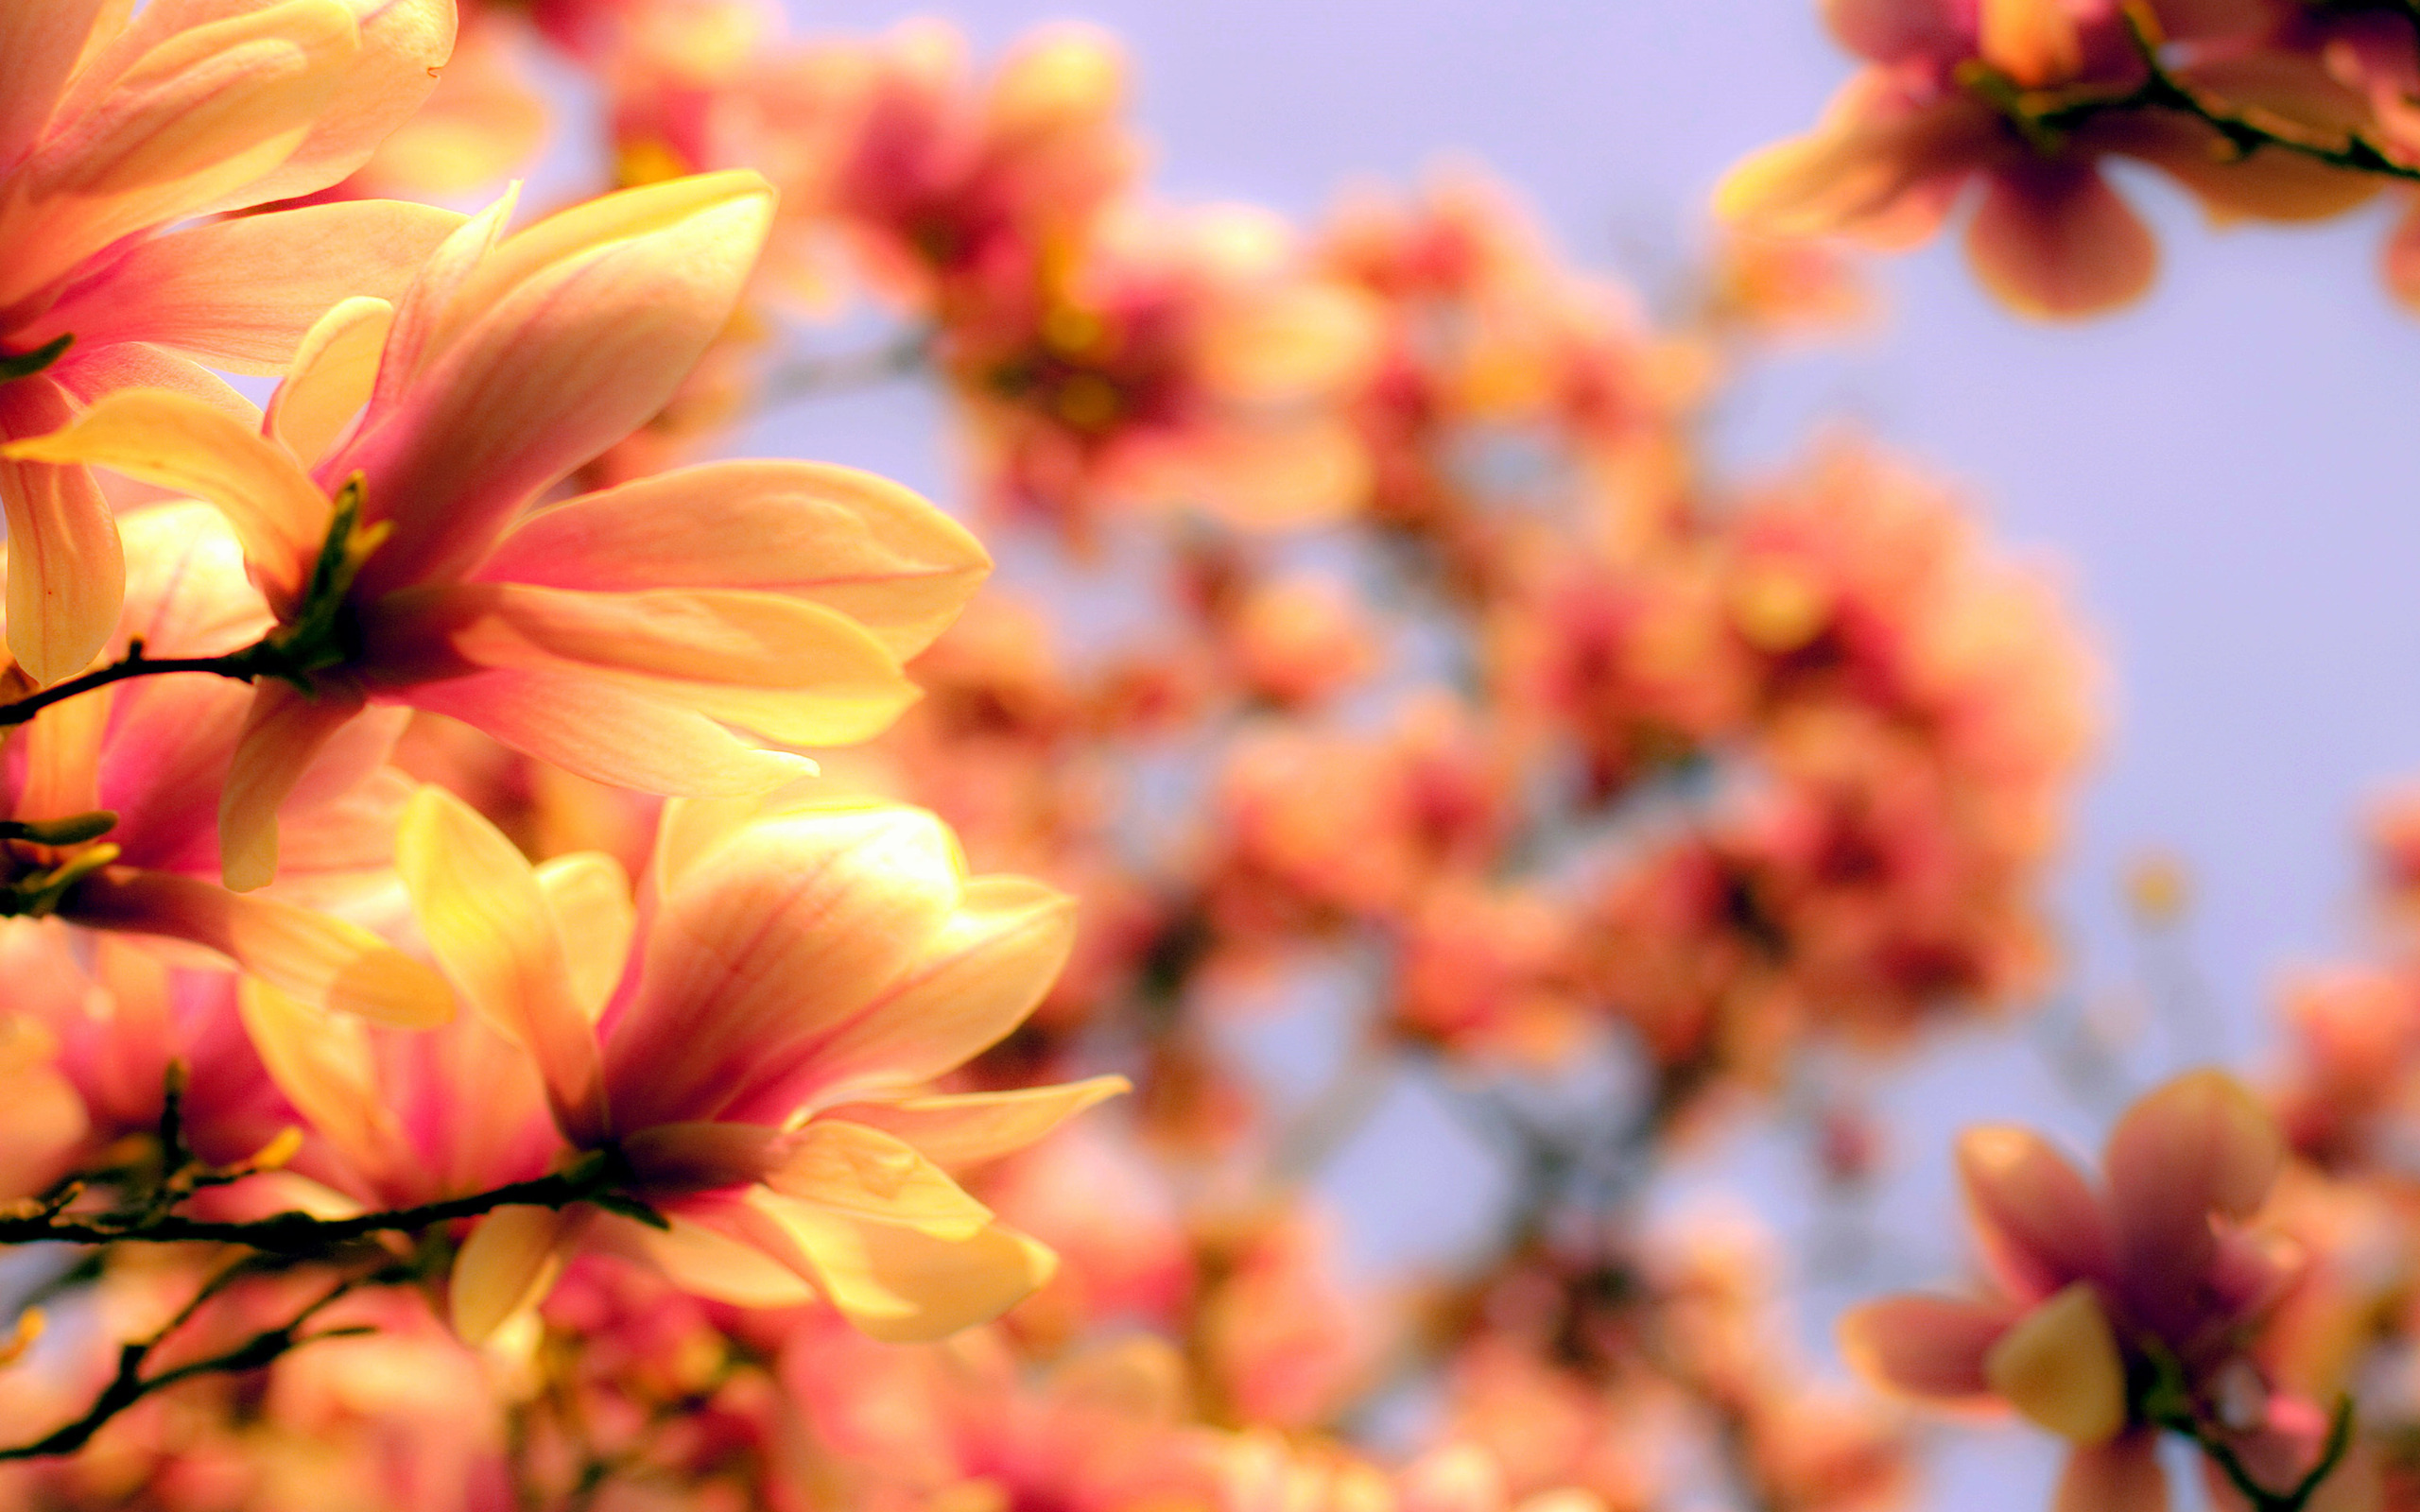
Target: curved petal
point(42, 42)
point(867, 1173)
point(875, 551)
point(202, 114)
point(404, 45)
point(319, 958)
point(2200, 1145)
point(330, 378)
point(180, 442)
point(2053, 241)
point(796, 925)
point(703, 1260)
point(974, 981)
point(902, 1286)
point(589, 894)
point(1931, 1347)
point(285, 731)
point(242, 292)
point(66, 569)
point(2039, 1224)
point(507, 1266)
point(966, 1129)
point(789, 671)
point(323, 1064)
point(621, 736)
point(2059, 1366)
point(482, 911)
point(554, 367)
point(1874, 170)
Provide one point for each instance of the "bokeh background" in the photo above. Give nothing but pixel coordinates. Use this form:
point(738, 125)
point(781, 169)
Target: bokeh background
point(2223, 475)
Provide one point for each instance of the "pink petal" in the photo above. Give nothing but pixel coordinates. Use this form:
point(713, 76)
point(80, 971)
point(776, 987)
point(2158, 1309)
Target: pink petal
point(2053, 241)
point(2039, 1225)
point(241, 293)
point(1928, 1347)
point(2198, 1146)
point(794, 926)
point(42, 39)
point(859, 543)
point(283, 732)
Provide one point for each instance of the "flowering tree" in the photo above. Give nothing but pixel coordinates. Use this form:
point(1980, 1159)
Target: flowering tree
point(546, 970)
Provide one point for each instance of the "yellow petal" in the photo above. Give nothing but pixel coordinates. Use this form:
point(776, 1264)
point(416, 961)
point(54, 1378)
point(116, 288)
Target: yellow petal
point(507, 1266)
point(967, 1127)
point(322, 1063)
point(330, 378)
point(2060, 1368)
point(704, 1262)
point(902, 1286)
point(180, 442)
point(871, 1175)
point(285, 731)
point(589, 896)
point(66, 567)
point(480, 908)
point(2033, 41)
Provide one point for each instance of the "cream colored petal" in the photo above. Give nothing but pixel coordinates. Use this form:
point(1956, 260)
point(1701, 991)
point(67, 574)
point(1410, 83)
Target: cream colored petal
point(204, 114)
point(901, 1286)
point(330, 379)
point(965, 1129)
point(589, 894)
point(705, 1263)
point(2060, 1368)
point(786, 670)
point(66, 569)
point(506, 1268)
point(315, 957)
point(284, 732)
point(800, 922)
point(180, 442)
point(868, 1173)
point(42, 40)
point(861, 545)
point(322, 1063)
point(482, 911)
point(974, 983)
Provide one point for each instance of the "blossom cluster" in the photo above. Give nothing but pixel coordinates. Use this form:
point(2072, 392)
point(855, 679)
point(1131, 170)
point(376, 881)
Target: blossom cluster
point(2280, 111)
point(547, 965)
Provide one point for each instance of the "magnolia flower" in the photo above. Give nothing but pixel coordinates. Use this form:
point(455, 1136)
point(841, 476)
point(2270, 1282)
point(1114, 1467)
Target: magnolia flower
point(2114, 1311)
point(111, 126)
point(384, 514)
point(758, 1062)
point(114, 794)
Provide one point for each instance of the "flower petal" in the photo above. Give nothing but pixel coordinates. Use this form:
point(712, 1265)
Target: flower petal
point(974, 982)
point(902, 1286)
point(2053, 241)
point(180, 442)
point(798, 922)
point(875, 551)
point(551, 365)
point(2200, 1145)
point(868, 1173)
point(589, 894)
point(482, 911)
point(621, 736)
point(1931, 1347)
point(66, 570)
point(2039, 1224)
point(322, 1063)
point(241, 293)
point(285, 731)
point(506, 1265)
point(2059, 1366)
point(316, 957)
point(330, 378)
point(42, 39)
point(966, 1129)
